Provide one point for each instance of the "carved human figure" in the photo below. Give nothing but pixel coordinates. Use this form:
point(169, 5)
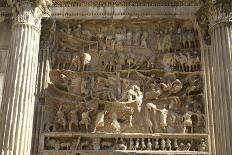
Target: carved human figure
point(163, 118)
point(67, 29)
point(190, 62)
point(149, 144)
point(154, 92)
point(130, 59)
point(73, 119)
point(169, 144)
point(85, 120)
point(137, 145)
point(84, 88)
point(160, 42)
point(131, 144)
point(137, 37)
point(129, 37)
point(143, 146)
point(60, 117)
point(187, 122)
point(66, 82)
point(150, 112)
point(167, 43)
point(138, 97)
point(144, 39)
point(60, 58)
point(202, 146)
point(120, 38)
point(128, 92)
point(75, 64)
point(77, 31)
point(175, 144)
point(182, 59)
point(157, 144)
point(196, 63)
point(163, 144)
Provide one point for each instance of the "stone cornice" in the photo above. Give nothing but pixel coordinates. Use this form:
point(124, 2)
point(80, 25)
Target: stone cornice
point(120, 12)
point(110, 3)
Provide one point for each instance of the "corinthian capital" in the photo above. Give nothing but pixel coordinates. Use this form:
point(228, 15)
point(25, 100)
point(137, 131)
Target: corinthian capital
point(217, 11)
point(30, 12)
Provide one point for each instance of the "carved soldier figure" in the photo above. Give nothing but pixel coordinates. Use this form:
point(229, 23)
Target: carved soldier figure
point(136, 38)
point(163, 118)
point(129, 38)
point(60, 117)
point(85, 120)
point(144, 39)
point(187, 122)
point(73, 119)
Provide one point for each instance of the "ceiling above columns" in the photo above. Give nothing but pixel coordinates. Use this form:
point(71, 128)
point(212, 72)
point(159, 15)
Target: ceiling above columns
point(118, 9)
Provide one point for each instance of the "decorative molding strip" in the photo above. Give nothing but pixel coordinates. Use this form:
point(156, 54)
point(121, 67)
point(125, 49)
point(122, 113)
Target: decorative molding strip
point(141, 12)
point(97, 3)
point(135, 12)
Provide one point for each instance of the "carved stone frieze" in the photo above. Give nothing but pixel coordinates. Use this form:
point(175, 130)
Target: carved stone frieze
point(132, 78)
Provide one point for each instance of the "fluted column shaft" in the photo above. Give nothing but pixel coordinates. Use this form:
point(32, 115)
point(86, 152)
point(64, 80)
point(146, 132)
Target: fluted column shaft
point(16, 115)
point(221, 69)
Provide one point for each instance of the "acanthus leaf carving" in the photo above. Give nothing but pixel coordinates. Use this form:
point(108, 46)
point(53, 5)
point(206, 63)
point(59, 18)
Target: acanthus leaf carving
point(30, 12)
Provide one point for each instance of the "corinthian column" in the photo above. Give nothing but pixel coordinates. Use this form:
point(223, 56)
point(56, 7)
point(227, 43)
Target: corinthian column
point(220, 69)
point(17, 109)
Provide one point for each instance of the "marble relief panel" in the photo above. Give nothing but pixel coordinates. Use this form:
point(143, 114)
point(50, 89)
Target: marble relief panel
point(125, 85)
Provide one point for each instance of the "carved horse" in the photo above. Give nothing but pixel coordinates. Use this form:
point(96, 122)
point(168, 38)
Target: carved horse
point(85, 59)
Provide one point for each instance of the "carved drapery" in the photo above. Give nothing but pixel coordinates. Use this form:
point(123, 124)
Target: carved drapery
point(17, 108)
